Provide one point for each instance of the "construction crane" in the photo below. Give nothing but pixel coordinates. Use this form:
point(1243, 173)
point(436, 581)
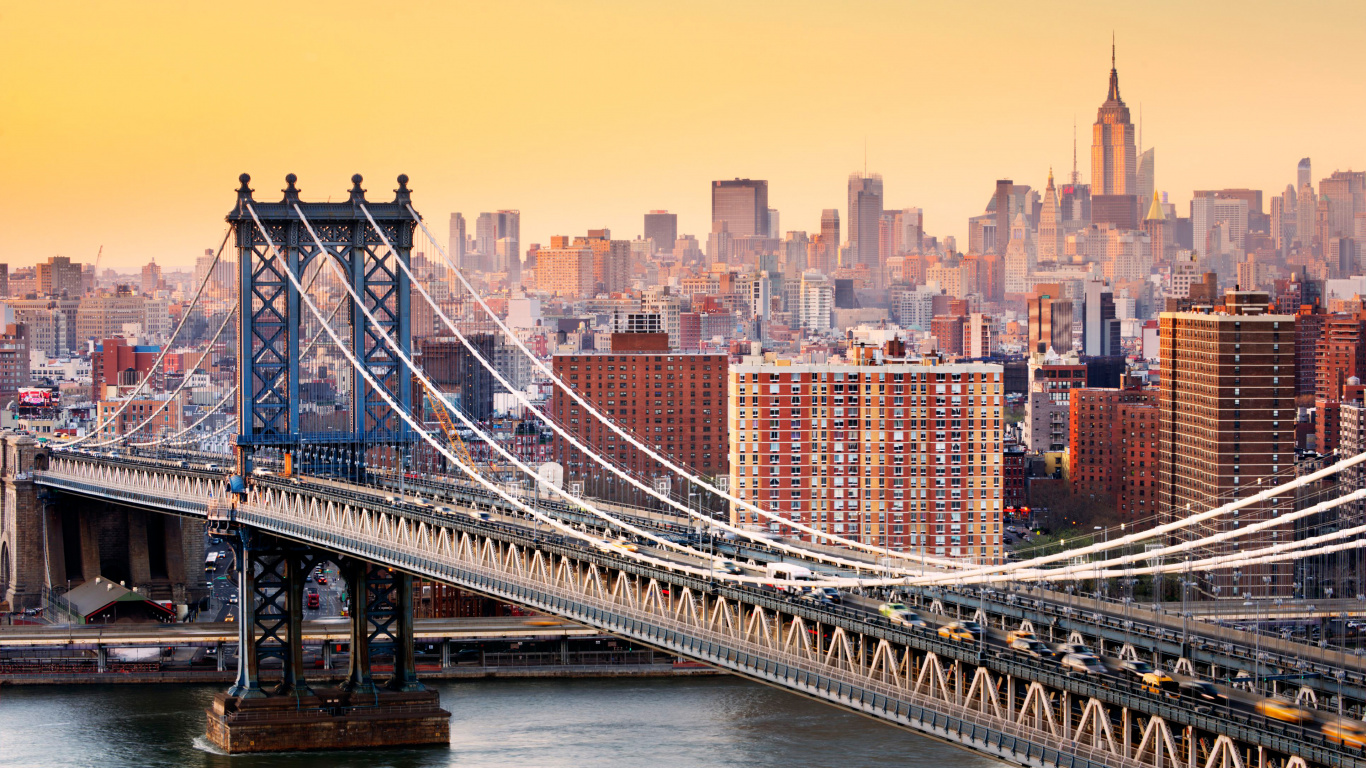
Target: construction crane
point(96, 270)
point(443, 416)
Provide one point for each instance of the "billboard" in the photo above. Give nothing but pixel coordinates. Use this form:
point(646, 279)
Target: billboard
point(37, 398)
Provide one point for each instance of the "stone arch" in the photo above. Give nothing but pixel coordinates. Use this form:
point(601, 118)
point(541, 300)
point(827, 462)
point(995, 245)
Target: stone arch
point(5, 566)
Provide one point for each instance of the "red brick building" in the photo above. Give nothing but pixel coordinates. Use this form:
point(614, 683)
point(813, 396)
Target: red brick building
point(1112, 447)
point(1340, 355)
point(675, 402)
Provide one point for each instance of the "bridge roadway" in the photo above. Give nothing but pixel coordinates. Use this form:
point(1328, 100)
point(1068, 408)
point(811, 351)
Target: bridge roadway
point(1213, 652)
point(1025, 711)
point(318, 630)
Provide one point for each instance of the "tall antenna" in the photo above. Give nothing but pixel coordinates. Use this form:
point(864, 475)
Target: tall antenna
point(865, 156)
point(1112, 49)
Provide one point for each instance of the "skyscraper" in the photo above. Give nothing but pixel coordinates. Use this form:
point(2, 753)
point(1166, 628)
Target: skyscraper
point(830, 239)
point(742, 204)
point(1003, 190)
point(1114, 177)
point(456, 242)
point(1113, 162)
point(1304, 173)
point(1099, 328)
point(509, 227)
point(662, 228)
point(1050, 241)
point(485, 240)
point(865, 215)
point(1147, 174)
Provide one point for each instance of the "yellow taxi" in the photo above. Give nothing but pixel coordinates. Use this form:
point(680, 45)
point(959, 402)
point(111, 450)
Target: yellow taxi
point(1348, 733)
point(1280, 709)
point(957, 631)
point(1159, 683)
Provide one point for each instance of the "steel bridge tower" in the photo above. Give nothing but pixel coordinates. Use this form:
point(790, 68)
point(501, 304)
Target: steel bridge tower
point(271, 314)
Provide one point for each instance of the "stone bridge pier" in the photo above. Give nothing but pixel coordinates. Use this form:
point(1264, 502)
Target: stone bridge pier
point(289, 713)
point(54, 541)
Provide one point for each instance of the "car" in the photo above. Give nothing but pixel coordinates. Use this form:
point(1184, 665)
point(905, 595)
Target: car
point(730, 567)
point(1018, 634)
point(478, 514)
point(898, 613)
point(813, 596)
point(957, 631)
point(1136, 668)
point(391, 500)
point(1159, 683)
point(833, 594)
point(232, 600)
point(1085, 663)
point(322, 579)
point(1347, 733)
point(1032, 648)
point(1066, 648)
point(1203, 692)
point(212, 467)
point(623, 544)
point(311, 599)
point(182, 464)
point(1282, 710)
point(259, 472)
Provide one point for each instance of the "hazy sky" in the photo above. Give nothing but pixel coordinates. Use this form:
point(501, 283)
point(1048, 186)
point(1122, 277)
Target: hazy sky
point(126, 124)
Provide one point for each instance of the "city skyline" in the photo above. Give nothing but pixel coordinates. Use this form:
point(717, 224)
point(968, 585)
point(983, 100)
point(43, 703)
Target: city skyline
point(151, 175)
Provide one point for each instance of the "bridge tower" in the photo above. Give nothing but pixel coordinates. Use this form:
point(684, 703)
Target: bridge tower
point(272, 316)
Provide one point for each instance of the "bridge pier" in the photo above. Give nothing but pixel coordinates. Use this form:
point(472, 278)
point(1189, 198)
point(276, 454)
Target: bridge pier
point(295, 715)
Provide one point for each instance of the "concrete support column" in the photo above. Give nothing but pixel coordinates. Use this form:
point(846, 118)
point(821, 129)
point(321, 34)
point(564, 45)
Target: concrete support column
point(139, 565)
point(445, 654)
point(405, 661)
point(56, 545)
point(248, 683)
point(101, 658)
point(219, 652)
point(564, 651)
point(357, 575)
point(90, 547)
point(327, 653)
point(296, 567)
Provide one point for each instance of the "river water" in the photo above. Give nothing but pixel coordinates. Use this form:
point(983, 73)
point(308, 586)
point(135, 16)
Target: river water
point(615, 723)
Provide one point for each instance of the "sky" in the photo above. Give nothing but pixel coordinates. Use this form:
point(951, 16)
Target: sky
point(125, 125)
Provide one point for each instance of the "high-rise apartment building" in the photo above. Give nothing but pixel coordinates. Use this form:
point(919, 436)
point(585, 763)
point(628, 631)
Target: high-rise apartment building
point(817, 301)
point(902, 455)
point(865, 215)
point(455, 244)
point(1048, 400)
point(508, 226)
point(673, 401)
point(661, 228)
point(1227, 403)
point(742, 204)
point(1111, 434)
point(564, 269)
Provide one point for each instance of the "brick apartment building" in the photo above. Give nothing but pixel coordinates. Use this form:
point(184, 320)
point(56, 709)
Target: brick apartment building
point(675, 402)
point(903, 455)
point(1227, 403)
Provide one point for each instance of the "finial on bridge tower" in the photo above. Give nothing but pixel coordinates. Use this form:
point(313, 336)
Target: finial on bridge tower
point(357, 194)
point(403, 195)
point(244, 191)
point(291, 191)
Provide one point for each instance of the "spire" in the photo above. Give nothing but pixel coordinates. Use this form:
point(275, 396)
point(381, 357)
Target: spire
point(1155, 210)
point(1114, 73)
point(1050, 177)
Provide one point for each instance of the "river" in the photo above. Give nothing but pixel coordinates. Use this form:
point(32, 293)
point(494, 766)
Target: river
point(625, 723)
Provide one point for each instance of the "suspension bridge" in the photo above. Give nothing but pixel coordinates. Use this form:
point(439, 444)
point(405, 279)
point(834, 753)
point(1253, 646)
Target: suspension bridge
point(332, 287)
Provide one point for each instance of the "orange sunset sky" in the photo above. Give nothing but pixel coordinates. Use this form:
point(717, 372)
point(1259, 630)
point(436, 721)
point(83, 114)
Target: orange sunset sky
point(126, 124)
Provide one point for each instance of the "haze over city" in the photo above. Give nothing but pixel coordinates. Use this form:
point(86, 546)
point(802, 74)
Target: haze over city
point(622, 384)
point(124, 124)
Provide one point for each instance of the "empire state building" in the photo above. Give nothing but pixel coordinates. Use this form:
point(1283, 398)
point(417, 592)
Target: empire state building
point(1114, 161)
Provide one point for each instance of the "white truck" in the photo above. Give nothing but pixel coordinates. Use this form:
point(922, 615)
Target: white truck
point(788, 572)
